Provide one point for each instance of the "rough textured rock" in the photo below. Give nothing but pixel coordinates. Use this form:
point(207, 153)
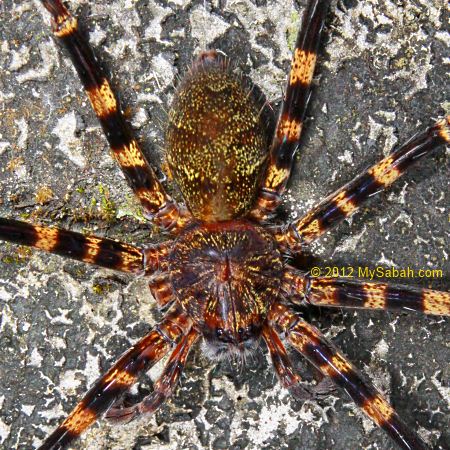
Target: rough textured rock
point(381, 77)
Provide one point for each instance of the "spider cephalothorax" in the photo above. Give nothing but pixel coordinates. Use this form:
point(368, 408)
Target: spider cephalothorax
point(222, 275)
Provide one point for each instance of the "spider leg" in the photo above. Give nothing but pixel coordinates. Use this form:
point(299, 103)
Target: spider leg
point(287, 376)
point(298, 91)
point(157, 204)
point(164, 386)
point(90, 249)
point(283, 366)
point(352, 293)
point(310, 342)
point(161, 289)
point(345, 201)
point(119, 378)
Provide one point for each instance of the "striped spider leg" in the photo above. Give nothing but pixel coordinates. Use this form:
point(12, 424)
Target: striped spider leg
point(293, 109)
point(346, 200)
point(90, 249)
point(157, 204)
point(310, 342)
point(354, 293)
point(175, 327)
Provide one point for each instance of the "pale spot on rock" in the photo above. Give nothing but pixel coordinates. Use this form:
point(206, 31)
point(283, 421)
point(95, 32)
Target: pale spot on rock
point(69, 144)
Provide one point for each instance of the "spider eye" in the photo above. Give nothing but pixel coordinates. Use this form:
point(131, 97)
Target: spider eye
point(219, 332)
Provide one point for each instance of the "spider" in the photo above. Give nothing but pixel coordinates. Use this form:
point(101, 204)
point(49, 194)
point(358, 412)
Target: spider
point(227, 336)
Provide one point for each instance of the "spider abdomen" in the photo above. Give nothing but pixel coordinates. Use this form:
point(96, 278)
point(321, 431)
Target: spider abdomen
point(226, 275)
point(215, 141)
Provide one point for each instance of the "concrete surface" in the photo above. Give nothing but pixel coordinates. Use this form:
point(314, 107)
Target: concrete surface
point(381, 77)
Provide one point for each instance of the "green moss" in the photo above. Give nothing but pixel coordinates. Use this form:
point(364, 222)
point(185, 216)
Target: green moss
point(130, 208)
point(8, 259)
point(107, 206)
point(292, 30)
point(101, 289)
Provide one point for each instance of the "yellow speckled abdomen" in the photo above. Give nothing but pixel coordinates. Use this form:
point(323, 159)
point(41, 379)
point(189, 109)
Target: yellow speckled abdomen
point(215, 141)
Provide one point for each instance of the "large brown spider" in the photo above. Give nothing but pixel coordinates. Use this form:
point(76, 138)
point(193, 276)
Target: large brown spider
point(236, 251)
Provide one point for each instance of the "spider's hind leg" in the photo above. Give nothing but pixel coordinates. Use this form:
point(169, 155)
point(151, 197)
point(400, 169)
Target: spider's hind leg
point(354, 293)
point(298, 91)
point(157, 204)
point(286, 373)
point(348, 199)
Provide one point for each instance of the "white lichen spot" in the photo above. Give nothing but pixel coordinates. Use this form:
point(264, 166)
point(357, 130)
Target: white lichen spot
point(19, 58)
point(35, 358)
point(162, 71)
point(158, 14)
point(22, 126)
point(383, 261)
point(201, 20)
point(405, 218)
point(69, 144)
point(7, 318)
point(61, 318)
point(441, 386)
point(381, 349)
point(399, 197)
point(3, 146)
point(92, 370)
point(97, 36)
point(272, 418)
point(4, 431)
point(28, 409)
point(50, 58)
point(68, 383)
point(347, 157)
point(350, 243)
point(140, 118)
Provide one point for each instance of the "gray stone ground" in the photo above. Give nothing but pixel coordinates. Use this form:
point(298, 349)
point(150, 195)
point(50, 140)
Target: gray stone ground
point(381, 78)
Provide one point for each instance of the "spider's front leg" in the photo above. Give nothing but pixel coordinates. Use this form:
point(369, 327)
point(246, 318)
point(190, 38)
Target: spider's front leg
point(346, 200)
point(293, 109)
point(353, 293)
point(164, 386)
point(120, 377)
point(310, 342)
point(157, 204)
point(285, 371)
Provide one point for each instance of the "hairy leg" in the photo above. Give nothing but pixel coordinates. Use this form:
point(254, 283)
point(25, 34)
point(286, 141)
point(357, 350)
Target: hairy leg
point(164, 386)
point(157, 204)
point(119, 378)
point(90, 249)
point(310, 342)
point(346, 200)
point(353, 293)
point(293, 109)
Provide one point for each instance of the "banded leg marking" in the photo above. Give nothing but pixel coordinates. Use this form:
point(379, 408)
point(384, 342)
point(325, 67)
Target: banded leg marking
point(351, 293)
point(310, 342)
point(157, 205)
point(164, 386)
point(287, 376)
point(90, 249)
point(345, 201)
point(298, 91)
point(161, 289)
point(122, 375)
